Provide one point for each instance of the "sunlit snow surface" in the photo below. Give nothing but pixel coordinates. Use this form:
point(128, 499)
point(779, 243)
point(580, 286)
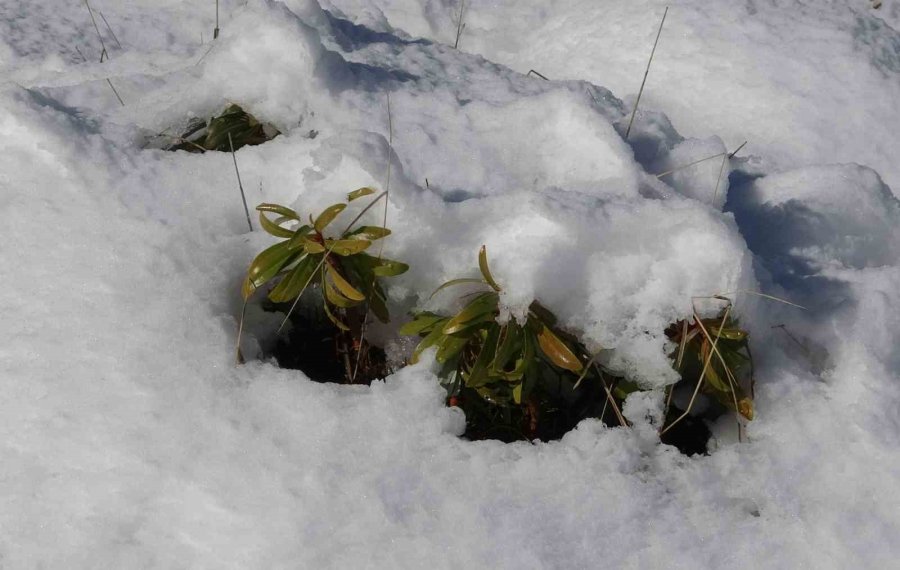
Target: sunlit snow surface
point(129, 438)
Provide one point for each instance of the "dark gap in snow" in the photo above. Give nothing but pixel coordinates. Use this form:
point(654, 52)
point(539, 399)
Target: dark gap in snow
point(322, 352)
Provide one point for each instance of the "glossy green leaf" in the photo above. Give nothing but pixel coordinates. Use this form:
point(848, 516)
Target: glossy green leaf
point(479, 375)
point(450, 346)
point(327, 216)
point(482, 308)
point(390, 268)
point(485, 270)
point(378, 306)
point(291, 286)
point(371, 233)
point(453, 282)
point(265, 266)
point(344, 286)
point(274, 227)
point(300, 237)
point(557, 351)
point(510, 346)
point(365, 191)
point(422, 323)
point(426, 343)
point(280, 210)
point(727, 333)
point(333, 296)
point(345, 247)
point(337, 322)
point(312, 246)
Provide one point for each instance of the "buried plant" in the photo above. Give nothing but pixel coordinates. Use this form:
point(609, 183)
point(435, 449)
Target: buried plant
point(230, 130)
point(515, 380)
point(347, 276)
point(713, 357)
point(526, 380)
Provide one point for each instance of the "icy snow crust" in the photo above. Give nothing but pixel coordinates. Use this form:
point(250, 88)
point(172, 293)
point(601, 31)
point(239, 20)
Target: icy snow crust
point(129, 439)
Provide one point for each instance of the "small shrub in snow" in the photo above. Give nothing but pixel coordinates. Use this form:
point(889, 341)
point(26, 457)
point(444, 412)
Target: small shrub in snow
point(513, 378)
point(713, 355)
point(306, 257)
point(213, 134)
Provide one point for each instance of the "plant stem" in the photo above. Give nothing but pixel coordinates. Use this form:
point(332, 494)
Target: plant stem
point(112, 33)
point(97, 29)
point(240, 186)
point(646, 71)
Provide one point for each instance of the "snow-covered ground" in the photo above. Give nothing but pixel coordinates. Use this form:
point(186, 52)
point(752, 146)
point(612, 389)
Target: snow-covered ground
point(128, 439)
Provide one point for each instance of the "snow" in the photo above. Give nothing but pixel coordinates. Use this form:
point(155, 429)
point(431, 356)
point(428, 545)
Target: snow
point(128, 437)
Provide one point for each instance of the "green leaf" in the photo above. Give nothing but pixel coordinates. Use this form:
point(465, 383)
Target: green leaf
point(345, 247)
point(280, 210)
point(334, 297)
point(482, 308)
point(312, 246)
point(274, 227)
point(327, 216)
point(426, 343)
point(511, 346)
point(390, 268)
point(292, 285)
point(377, 305)
point(479, 375)
point(371, 233)
point(344, 286)
point(727, 333)
point(450, 346)
point(557, 351)
point(300, 237)
point(334, 319)
point(453, 282)
point(422, 323)
point(485, 270)
point(365, 191)
point(265, 266)
point(517, 394)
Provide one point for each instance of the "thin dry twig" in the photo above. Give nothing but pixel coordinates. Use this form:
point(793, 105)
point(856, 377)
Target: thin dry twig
point(722, 169)
point(532, 71)
point(114, 91)
point(758, 294)
point(103, 52)
point(108, 27)
point(460, 22)
point(216, 31)
point(682, 167)
point(646, 71)
point(702, 373)
point(387, 192)
point(240, 186)
point(742, 145)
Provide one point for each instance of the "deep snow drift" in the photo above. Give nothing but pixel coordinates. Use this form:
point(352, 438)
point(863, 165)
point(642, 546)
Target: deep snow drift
point(129, 438)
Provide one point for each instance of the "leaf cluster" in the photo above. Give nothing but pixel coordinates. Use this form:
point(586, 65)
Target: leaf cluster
point(716, 353)
point(203, 135)
point(347, 274)
point(504, 362)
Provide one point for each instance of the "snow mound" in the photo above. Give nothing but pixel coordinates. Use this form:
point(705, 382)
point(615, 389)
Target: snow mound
point(128, 438)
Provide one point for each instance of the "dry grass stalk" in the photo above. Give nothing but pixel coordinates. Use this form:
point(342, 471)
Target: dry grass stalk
point(387, 194)
point(706, 364)
point(240, 186)
point(646, 71)
point(108, 27)
point(460, 22)
point(103, 53)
